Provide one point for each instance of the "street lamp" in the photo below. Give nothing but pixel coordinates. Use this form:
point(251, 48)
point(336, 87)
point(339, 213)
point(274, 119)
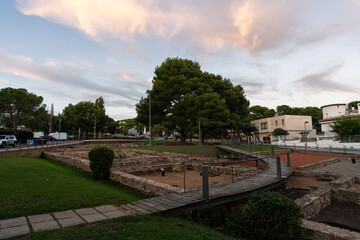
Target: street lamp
point(305, 133)
point(149, 117)
point(59, 127)
point(94, 125)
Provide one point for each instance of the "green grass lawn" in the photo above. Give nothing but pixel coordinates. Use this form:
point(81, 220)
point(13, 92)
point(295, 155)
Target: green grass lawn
point(206, 151)
point(138, 227)
point(32, 185)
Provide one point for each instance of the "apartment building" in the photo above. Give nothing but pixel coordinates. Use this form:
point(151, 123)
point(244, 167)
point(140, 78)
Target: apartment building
point(294, 124)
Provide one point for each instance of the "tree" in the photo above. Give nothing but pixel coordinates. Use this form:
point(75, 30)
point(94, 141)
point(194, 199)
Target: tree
point(346, 126)
point(258, 112)
point(21, 108)
point(279, 132)
point(83, 115)
point(183, 95)
point(284, 110)
point(354, 104)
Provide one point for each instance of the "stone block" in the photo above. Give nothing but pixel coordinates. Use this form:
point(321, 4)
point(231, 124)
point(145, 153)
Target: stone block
point(14, 231)
point(106, 208)
point(86, 211)
point(40, 218)
point(114, 214)
point(93, 217)
point(13, 222)
point(67, 222)
point(65, 214)
point(42, 226)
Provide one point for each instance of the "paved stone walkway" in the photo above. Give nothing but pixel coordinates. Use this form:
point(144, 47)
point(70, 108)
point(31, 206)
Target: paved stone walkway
point(35, 223)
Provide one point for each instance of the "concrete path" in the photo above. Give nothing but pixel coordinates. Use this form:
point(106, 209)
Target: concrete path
point(35, 223)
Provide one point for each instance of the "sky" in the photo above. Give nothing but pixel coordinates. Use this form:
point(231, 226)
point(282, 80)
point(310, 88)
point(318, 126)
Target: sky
point(299, 53)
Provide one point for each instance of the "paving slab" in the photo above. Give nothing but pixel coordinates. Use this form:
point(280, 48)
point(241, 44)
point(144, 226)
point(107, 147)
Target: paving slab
point(40, 218)
point(48, 225)
point(90, 218)
point(105, 208)
point(65, 214)
point(114, 214)
point(67, 222)
point(13, 222)
point(86, 211)
point(14, 231)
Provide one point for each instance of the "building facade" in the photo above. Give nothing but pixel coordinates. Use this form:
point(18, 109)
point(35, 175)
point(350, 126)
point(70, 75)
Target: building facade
point(332, 112)
point(294, 124)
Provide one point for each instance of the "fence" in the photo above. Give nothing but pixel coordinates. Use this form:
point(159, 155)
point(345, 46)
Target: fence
point(263, 158)
point(38, 144)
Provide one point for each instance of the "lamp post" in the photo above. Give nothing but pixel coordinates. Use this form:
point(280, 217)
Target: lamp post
point(59, 127)
point(94, 125)
point(305, 134)
point(149, 118)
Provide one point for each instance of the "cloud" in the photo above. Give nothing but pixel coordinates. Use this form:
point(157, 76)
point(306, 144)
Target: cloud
point(323, 81)
point(67, 76)
point(209, 26)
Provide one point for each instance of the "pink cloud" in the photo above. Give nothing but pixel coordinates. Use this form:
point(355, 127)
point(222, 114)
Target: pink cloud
point(255, 25)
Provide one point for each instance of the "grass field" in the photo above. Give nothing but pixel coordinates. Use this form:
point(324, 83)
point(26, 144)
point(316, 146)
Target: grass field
point(206, 151)
point(138, 227)
point(32, 185)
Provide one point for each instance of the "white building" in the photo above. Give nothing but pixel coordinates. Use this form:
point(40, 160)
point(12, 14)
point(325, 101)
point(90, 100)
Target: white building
point(332, 112)
point(294, 124)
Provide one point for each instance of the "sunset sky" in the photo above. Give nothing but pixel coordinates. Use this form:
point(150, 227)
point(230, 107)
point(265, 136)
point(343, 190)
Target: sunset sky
point(299, 53)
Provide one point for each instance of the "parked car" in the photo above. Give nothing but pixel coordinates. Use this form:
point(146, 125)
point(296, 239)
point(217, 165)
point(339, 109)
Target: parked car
point(48, 138)
point(8, 140)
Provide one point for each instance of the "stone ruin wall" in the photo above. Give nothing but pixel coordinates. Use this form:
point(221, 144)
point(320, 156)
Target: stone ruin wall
point(143, 185)
point(136, 162)
point(319, 198)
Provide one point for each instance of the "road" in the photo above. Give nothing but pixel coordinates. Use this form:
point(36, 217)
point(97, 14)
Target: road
point(48, 144)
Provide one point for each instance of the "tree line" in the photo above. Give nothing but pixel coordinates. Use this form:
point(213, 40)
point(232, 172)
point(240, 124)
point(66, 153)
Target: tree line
point(21, 110)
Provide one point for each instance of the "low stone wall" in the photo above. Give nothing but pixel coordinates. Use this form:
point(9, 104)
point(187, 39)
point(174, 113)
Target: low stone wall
point(321, 164)
point(346, 195)
point(315, 230)
point(239, 171)
point(80, 164)
point(315, 201)
point(144, 185)
point(342, 182)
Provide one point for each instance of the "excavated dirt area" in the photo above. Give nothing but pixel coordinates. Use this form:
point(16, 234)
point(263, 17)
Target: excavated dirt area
point(147, 164)
point(193, 179)
point(343, 215)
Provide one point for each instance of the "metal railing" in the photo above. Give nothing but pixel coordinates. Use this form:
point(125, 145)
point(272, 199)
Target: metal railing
point(38, 144)
point(264, 158)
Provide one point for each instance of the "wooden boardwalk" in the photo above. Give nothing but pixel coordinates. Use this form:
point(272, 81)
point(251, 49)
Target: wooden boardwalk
point(177, 203)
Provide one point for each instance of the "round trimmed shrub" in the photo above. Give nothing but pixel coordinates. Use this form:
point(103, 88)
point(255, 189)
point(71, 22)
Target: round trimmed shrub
point(269, 215)
point(101, 159)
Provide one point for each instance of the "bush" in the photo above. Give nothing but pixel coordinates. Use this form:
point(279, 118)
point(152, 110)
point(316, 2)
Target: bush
point(101, 159)
point(268, 215)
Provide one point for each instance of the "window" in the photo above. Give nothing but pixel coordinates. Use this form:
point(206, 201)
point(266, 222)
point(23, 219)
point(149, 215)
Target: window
point(283, 122)
point(264, 125)
point(275, 122)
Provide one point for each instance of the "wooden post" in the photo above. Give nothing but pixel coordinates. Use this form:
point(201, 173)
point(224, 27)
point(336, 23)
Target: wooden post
point(205, 183)
point(278, 166)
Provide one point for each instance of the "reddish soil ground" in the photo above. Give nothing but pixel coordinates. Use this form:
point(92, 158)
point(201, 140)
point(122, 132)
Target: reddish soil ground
point(297, 159)
point(344, 215)
point(192, 178)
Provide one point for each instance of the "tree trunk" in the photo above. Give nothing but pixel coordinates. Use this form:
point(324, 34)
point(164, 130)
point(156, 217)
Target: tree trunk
point(183, 136)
